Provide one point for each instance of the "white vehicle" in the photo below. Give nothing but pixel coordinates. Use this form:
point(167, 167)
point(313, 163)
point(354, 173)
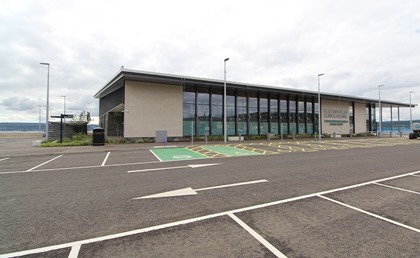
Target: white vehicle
point(416, 131)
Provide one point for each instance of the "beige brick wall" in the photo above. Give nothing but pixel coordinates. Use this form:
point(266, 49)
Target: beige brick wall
point(360, 117)
point(150, 107)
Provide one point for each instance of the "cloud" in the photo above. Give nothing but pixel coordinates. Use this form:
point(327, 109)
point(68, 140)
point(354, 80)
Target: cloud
point(357, 44)
point(19, 104)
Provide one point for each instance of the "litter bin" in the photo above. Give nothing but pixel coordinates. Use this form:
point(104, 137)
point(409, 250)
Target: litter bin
point(98, 137)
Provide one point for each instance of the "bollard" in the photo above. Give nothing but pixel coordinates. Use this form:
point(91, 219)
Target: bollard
point(390, 134)
point(334, 135)
point(294, 137)
point(240, 138)
point(205, 138)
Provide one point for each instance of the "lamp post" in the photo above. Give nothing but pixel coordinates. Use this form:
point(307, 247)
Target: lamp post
point(411, 114)
point(319, 107)
point(224, 105)
point(48, 100)
point(64, 107)
point(39, 123)
point(380, 110)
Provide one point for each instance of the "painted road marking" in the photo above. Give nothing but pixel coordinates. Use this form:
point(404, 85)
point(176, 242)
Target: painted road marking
point(74, 253)
point(230, 151)
point(257, 236)
point(4, 159)
point(397, 188)
point(40, 165)
point(168, 168)
point(187, 221)
point(190, 191)
point(371, 214)
point(106, 158)
point(176, 154)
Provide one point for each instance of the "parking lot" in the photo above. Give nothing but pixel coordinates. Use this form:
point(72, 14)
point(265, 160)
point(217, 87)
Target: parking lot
point(344, 198)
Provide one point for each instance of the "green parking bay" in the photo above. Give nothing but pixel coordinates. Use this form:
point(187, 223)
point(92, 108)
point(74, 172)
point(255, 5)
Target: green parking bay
point(171, 154)
point(230, 151)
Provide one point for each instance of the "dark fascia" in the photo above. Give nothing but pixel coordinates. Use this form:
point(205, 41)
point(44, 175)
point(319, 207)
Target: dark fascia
point(123, 74)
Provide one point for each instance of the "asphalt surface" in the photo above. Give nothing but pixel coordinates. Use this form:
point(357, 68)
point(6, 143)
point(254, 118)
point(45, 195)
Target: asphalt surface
point(78, 202)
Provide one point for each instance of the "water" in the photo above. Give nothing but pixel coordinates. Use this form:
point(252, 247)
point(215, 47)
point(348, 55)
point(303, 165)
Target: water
point(29, 127)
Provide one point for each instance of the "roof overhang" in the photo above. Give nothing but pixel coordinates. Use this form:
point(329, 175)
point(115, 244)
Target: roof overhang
point(123, 74)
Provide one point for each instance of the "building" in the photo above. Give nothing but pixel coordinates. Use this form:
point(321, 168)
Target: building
point(135, 104)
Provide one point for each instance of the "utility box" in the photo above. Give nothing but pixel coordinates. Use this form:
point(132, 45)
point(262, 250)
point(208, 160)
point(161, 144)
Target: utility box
point(98, 137)
point(161, 136)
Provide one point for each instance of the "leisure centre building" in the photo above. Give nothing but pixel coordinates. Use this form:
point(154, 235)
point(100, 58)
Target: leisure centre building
point(136, 104)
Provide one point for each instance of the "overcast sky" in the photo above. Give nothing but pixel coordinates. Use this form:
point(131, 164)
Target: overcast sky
point(358, 44)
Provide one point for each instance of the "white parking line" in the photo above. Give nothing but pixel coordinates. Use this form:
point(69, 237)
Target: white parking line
point(106, 158)
point(40, 165)
point(371, 214)
point(4, 159)
point(215, 215)
point(416, 175)
point(75, 250)
point(257, 236)
point(155, 155)
point(397, 188)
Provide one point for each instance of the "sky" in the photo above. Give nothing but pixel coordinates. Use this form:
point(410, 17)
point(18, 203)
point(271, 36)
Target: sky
point(357, 44)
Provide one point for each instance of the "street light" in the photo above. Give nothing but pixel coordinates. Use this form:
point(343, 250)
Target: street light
point(319, 107)
point(380, 110)
point(224, 105)
point(411, 114)
point(48, 100)
point(39, 123)
point(64, 107)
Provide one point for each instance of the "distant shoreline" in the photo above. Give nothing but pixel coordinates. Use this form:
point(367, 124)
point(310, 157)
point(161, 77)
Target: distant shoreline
point(21, 134)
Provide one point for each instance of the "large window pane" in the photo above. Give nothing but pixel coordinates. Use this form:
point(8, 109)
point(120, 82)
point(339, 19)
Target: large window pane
point(188, 110)
point(301, 117)
point(292, 116)
point(309, 118)
point(217, 113)
point(284, 129)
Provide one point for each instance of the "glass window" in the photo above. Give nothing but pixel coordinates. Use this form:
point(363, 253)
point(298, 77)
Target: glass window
point(189, 110)
point(264, 114)
point(301, 117)
point(217, 113)
point(309, 118)
point(203, 112)
point(242, 113)
point(284, 129)
point(316, 118)
point(292, 116)
point(274, 113)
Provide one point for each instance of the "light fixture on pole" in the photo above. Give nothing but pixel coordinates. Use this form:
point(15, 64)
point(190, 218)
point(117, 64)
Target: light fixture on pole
point(319, 107)
point(411, 114)
point(224, 105)
point(380, 110)
point(64, 107)
point(48, 100)
point(39, 124)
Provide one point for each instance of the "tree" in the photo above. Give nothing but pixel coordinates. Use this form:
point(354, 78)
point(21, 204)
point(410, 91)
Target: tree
point(80, 122)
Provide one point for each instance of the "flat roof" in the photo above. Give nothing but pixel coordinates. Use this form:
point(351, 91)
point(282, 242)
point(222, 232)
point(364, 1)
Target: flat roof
point(117, 81)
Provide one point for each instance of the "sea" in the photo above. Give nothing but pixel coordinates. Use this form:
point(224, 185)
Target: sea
point(30, 127)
